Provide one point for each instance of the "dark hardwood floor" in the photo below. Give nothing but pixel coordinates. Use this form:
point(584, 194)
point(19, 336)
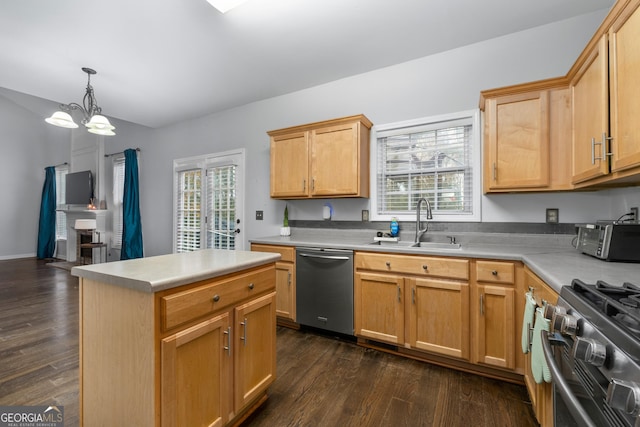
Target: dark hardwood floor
point(321, 381)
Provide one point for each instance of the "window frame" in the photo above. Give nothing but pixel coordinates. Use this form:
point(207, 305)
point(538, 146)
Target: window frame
point(473, 117)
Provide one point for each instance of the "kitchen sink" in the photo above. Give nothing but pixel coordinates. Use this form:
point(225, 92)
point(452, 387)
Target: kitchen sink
point(404, 244)
point(425, 245)
point(435, 245)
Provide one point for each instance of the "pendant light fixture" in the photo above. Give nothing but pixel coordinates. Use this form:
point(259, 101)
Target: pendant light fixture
point(92, 117)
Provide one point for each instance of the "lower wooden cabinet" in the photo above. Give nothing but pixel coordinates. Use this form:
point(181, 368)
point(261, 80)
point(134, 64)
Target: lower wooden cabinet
point(541, 395)
point(196, 375)
point(439, 316)
point(402, 300)
point(285, 279)
point(379, 307)
point(493, 313)
point(463, 309)
point(255, 345)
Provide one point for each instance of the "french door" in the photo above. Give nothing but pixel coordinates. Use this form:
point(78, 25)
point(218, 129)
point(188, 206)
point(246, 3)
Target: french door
point(209, 195)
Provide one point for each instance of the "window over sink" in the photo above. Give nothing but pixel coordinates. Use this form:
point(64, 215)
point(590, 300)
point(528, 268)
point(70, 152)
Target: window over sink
point(437, 158)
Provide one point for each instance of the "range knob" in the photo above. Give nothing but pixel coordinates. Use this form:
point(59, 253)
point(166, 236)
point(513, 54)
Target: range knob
point(590, 351)
point(550, 310)
point(624, 395)
point(566, 324)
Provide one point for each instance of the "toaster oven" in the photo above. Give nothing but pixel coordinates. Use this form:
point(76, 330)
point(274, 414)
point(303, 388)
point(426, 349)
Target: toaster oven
point(610, 241)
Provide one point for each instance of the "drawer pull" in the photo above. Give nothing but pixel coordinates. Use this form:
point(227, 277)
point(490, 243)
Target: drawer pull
point(425, 267)
point(388, 264)
point(251, 286)
point(494, 272)
point(216, 298)
point(228, 346)
point(244, 332)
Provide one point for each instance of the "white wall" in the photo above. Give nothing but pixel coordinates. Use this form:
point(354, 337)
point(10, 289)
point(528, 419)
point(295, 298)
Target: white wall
point(438, 84)
point(434, 85)
point(27, 146)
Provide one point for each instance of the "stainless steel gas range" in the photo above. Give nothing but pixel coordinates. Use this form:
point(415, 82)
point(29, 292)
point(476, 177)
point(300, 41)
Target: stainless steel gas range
point(593, 353)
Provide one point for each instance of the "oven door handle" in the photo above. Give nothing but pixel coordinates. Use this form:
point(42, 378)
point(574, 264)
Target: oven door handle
point(569, 398)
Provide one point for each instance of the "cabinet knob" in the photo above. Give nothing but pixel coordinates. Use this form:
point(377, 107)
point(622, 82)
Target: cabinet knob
point(216, 298)
point(388, 263)
point(494, 272)
point(251, 286)
point(425, 267)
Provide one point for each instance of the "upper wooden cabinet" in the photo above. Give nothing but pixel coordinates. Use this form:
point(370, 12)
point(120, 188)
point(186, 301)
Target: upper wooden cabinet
point(527, 130)
point(624, 101)
point(322, 160)
point(575, 131)
point(590, 113)
point(606, 102)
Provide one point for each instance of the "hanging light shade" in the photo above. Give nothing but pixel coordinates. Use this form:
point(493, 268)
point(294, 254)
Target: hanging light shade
point(61, 119)
point(92, 114)
point(100, 125)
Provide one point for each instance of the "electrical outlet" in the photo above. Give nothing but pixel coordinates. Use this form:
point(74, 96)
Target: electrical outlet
point(365, 215)
point(634, 214)
point(553, 216)
point(259, 215)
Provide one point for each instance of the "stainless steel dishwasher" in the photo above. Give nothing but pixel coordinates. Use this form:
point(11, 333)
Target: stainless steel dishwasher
point(324, 289)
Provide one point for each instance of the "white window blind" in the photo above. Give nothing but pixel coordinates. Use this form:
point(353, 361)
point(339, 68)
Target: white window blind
point(430, 159)
point(118, 195)
point(61, 217)
point(221, 207)
point(188, 210)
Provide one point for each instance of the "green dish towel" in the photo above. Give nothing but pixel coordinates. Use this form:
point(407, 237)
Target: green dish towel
point(527, 321)
point(539, 367)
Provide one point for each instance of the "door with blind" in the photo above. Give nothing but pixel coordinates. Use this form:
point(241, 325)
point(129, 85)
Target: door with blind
point(209, 199)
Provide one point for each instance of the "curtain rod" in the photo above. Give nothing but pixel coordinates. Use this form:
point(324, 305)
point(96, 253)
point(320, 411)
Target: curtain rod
point(120, 152)
point(61, 164)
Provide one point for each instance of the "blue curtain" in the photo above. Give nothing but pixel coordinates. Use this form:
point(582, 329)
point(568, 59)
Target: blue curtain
point(131, 222)
point(47, 224)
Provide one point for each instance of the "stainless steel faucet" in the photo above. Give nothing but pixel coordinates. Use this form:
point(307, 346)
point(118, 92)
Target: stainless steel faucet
point(421, 231)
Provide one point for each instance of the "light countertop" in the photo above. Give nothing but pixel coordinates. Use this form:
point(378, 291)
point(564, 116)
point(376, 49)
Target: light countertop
point(162, 272)
point(551, 257)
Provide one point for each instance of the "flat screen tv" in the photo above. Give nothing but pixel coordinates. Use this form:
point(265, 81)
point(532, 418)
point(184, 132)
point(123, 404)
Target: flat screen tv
point(79, 188)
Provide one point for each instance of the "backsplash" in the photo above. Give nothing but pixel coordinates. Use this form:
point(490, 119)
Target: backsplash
point(444, 227)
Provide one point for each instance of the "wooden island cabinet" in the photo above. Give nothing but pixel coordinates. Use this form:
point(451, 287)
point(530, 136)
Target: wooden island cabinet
point(177, 340)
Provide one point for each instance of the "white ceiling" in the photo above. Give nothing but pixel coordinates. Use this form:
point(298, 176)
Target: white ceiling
point(163, 61)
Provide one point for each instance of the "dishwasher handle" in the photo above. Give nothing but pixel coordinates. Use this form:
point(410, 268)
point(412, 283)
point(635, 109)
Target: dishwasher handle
point(323, 256)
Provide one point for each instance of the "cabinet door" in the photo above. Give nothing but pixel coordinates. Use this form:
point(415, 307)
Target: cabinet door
point(285, 291)
point(290, 165)
point(517, 135)
point(335, 160)
point(196, 375)
point(439, 316)
point(590, 107)
point(625, 88)
point(255, 345)
point(495, 326)
point(379, 307)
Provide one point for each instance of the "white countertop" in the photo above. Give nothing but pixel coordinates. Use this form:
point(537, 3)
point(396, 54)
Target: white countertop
point(551, 257)
point(162, 272)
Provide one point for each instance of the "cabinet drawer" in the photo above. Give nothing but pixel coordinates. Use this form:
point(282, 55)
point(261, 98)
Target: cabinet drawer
point(288, 253)
point(181, 307)
point(495, 271)
point(424, 266)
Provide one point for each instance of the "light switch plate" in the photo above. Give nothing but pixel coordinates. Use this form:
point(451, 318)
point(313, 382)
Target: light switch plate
point(259, 215)
point(553, 216)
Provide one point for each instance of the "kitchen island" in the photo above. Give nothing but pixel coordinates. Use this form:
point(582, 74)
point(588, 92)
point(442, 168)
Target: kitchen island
point(180, 339)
